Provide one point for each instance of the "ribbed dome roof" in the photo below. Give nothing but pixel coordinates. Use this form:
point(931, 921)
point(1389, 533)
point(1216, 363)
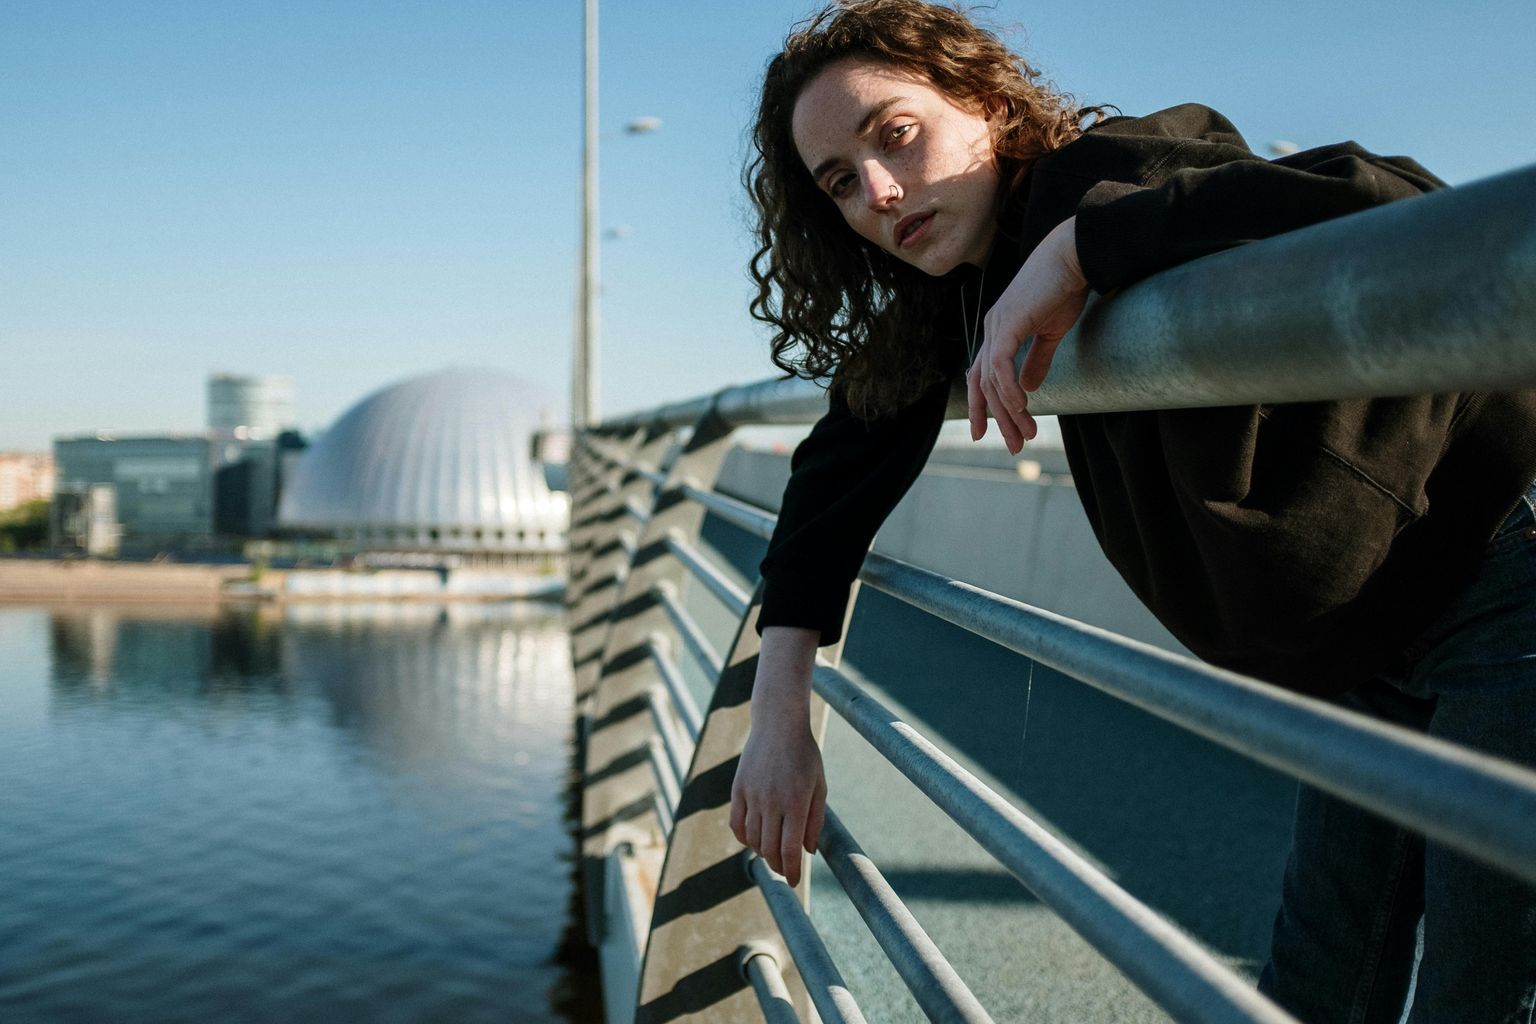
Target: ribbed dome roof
point(442, 452)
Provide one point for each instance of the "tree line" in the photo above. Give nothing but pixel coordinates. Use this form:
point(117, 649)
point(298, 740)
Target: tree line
point(25, 527)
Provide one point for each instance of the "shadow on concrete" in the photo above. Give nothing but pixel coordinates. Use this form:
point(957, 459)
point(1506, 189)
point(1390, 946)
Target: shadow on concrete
point(634, 606)
point(629, 812)
point(694, 993)
point(702, 891)
point(619, 765)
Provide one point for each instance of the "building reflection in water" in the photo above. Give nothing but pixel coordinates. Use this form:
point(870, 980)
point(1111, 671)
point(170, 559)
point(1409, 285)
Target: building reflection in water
point(313, 812)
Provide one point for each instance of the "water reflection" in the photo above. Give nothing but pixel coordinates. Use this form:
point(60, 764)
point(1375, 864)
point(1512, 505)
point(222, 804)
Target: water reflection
point(310, 813)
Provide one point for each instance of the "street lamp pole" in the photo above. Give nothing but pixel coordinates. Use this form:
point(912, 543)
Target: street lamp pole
point(584, 391)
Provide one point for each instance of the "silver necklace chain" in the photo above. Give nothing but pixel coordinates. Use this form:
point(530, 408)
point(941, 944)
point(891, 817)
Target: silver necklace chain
point(974, 324)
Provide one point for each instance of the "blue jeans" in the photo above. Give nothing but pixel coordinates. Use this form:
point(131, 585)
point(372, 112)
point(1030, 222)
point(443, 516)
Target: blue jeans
point(1371, 916)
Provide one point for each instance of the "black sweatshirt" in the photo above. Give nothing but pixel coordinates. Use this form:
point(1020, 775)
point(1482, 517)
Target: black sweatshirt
point(1307, 544)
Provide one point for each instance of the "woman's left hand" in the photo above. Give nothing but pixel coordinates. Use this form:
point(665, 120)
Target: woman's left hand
point(1044, 300)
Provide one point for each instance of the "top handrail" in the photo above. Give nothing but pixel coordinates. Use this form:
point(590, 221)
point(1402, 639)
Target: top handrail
point(1427, 295)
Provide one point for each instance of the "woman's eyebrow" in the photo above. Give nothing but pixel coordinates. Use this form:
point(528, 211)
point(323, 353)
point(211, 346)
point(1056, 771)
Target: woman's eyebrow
point(868, 121)
point(875, 112)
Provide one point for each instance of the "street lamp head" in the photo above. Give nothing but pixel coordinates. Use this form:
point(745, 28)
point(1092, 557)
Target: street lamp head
point(642, 126)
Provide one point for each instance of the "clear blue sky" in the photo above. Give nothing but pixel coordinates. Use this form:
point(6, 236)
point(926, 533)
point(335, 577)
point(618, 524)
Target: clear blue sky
point(353, 192)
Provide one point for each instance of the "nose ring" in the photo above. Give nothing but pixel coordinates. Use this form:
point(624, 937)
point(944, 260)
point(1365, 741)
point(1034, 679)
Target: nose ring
point(894, 190)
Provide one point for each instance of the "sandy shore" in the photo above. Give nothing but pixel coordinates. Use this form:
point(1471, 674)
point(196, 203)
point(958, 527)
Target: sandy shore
point(32, 580)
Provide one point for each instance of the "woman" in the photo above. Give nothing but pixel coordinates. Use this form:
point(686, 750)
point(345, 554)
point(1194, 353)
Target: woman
point(912, 173)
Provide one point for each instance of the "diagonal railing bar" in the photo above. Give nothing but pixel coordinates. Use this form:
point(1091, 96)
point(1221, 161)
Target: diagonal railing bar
point(693, 637)
point(682, 700)
point(635, 510)
point(734, 511)
point(822, 979)
point(1180, 976)
point(772, 995)
point(927, 973)
point(668, 780)
point(679, 751)
point(661, 806)
point(1468, 801)
point(733, 597)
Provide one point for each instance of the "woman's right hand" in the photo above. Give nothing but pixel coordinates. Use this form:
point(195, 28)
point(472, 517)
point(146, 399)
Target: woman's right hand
point(779, 797)
point(1042, 303)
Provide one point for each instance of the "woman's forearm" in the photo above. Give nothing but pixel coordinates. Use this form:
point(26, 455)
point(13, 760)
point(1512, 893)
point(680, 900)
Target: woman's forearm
point(780, 793)
point(781, 695)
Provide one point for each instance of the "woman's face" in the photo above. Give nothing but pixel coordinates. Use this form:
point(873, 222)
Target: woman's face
point(908, 169)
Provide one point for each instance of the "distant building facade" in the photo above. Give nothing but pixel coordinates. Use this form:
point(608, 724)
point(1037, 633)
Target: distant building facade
point(248, 478)
point(249, 407)
point(163, 486)
point(188, 492)
point(24, 477)
point(178, 492)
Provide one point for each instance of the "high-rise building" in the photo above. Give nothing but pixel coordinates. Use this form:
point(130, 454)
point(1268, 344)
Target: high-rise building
point(249, 408)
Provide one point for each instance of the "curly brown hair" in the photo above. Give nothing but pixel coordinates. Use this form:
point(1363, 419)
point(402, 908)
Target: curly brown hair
point(840, 306)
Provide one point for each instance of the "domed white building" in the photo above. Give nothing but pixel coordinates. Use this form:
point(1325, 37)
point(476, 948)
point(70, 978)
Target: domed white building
point(438, 464)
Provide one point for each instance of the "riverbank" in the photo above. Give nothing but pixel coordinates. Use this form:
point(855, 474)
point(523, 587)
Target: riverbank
point(28, 580)
point(25, 581)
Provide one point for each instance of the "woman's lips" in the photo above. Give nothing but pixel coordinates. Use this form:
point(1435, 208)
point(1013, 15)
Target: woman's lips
point(911, 229)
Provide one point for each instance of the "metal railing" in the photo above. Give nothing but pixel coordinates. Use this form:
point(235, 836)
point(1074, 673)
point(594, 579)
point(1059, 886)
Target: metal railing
point(1364, 313)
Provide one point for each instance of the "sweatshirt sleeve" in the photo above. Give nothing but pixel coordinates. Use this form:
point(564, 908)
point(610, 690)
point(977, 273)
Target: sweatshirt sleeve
point(1211, 193)
point(845, 478)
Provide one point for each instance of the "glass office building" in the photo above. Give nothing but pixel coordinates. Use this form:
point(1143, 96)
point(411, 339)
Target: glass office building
point(163, 485)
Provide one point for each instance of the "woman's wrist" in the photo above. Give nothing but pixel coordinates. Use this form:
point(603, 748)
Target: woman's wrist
point(781, 692)
point(1065, 237)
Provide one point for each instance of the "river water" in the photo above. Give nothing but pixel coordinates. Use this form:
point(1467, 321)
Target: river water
point(319, 813)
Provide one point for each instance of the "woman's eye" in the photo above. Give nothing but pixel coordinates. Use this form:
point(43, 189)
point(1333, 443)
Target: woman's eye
point(838, 186)
point(898, 132)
